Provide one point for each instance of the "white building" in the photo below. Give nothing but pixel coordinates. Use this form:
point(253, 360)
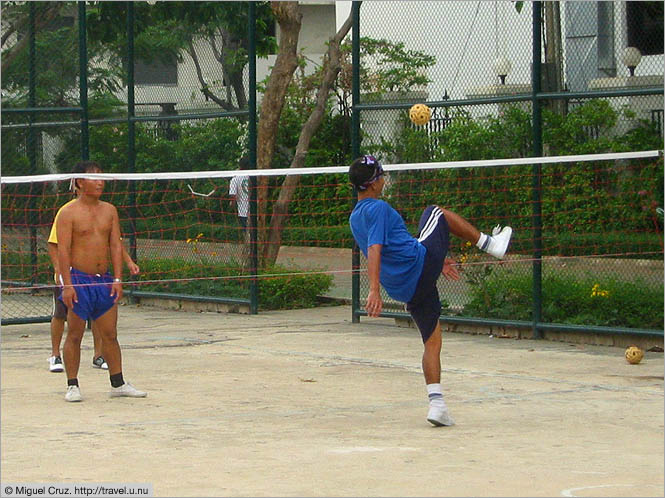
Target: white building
point(468, 37)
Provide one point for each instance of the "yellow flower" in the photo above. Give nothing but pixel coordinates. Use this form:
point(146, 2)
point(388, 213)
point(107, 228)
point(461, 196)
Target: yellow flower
point(597, 291)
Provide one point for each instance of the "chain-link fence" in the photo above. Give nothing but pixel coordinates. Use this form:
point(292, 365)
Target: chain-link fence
point(40, 112)
point(166, 87)
point(161, 91)
point(599, 90)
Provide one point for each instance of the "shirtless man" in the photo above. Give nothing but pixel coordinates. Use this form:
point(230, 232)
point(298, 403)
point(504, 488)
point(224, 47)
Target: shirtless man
point(88, 232)
point(60, 311)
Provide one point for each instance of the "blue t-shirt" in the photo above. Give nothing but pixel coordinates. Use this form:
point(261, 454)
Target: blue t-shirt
point(374, 221)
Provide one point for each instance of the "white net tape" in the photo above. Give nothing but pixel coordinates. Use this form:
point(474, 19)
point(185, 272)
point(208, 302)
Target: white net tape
point(187, 175)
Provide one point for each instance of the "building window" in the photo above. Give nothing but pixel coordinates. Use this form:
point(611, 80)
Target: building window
point(156, 72)
point(645, 26)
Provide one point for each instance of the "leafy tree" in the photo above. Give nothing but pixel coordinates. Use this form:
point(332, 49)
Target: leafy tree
point(168, 30)
point(57, 58)
point(386, 67)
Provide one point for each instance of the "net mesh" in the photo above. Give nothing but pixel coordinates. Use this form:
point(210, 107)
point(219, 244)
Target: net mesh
point(185, 234)
point(601, 228)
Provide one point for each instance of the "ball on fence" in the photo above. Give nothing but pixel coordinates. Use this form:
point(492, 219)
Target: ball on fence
point(419, 114)
point(634, 355)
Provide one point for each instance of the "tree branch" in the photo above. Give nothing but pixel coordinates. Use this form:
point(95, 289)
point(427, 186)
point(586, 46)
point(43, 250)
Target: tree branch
point(204, 86)
point(332, 64)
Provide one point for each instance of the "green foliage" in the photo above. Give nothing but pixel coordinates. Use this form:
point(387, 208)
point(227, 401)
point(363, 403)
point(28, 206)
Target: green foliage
point(19, 267)
point(279, 287)
point(388, 66)
point(167, 31)
point(191, 278)
point(282, 288)
point(575, 300)
point(56, 69)
point(574, 195)
point(202, 145)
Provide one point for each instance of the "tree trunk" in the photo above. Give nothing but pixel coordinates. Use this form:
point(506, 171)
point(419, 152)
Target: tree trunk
point(332, 64)
point(554, 54)
point(232, 75)
point(232, 72)
point(289, 18)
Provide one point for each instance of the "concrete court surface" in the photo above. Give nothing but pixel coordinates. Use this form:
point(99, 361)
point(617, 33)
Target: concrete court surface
point(305, 403)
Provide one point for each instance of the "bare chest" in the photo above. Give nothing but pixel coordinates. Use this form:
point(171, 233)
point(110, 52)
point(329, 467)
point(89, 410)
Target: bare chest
point(91, 225)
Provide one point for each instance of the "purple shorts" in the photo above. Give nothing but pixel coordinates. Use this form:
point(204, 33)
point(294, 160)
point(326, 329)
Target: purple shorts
point(93, 293)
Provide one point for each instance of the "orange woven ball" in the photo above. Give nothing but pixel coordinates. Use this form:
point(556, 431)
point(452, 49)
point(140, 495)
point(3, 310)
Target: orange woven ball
point(419, 114)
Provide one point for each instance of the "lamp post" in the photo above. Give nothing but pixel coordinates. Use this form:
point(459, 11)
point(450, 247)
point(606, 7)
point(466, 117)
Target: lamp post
point(502, 67)
point(631, 58)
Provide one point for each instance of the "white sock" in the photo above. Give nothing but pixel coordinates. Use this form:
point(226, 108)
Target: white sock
point(483, 242)
point(435, 395)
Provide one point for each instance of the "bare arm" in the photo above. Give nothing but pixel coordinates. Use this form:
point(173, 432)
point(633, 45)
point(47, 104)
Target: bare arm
point(116, 248)
point(374, 302)
point(64, 230)
point(53, 254)
point(133, 267)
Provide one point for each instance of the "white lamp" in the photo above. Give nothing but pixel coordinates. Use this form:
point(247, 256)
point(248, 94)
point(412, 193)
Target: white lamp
point(502, 67)
point(631, 58)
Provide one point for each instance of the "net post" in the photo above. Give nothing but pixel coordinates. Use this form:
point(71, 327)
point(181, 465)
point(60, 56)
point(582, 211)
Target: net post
point(536, 171)
point(355, 149)
point(83, 82)
point(253, 211)
point(131, 133)
point(32, 137)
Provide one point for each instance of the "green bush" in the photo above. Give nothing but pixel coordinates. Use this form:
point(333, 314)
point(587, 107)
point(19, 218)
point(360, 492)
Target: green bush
point(18, 267)
point(289, 291)
point(576, 197)
point(279, 287)
point(570, 300)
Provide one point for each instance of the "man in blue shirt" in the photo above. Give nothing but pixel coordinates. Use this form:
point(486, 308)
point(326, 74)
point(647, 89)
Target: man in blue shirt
point(408, 267)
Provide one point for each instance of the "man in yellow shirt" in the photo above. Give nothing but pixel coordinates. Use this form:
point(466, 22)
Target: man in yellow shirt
point(59, 314)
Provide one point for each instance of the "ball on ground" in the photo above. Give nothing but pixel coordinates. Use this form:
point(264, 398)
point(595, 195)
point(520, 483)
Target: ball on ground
point(634, 355)
point(419, 114)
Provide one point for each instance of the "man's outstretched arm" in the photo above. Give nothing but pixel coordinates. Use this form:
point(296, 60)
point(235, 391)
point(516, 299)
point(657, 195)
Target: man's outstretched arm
point(374, 302)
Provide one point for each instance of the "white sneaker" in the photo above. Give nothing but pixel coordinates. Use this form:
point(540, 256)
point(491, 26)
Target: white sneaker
point(499, 241)
point(128, 391)
point(55, 364)
point(73, 394)
point(439, 416)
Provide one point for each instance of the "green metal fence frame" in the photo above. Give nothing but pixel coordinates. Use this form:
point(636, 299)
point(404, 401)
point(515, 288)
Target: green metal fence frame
point(536, 97)
point(131, 121)
point(250, 113)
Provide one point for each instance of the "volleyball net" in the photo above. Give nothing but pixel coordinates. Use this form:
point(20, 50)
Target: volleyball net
point(591, 217)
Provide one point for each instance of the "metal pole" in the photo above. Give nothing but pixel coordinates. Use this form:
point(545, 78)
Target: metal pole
point(355, 149)
point(83, 82)
point(32, 142)
point(536, 171)
point(253, 235)
point(131, 131)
